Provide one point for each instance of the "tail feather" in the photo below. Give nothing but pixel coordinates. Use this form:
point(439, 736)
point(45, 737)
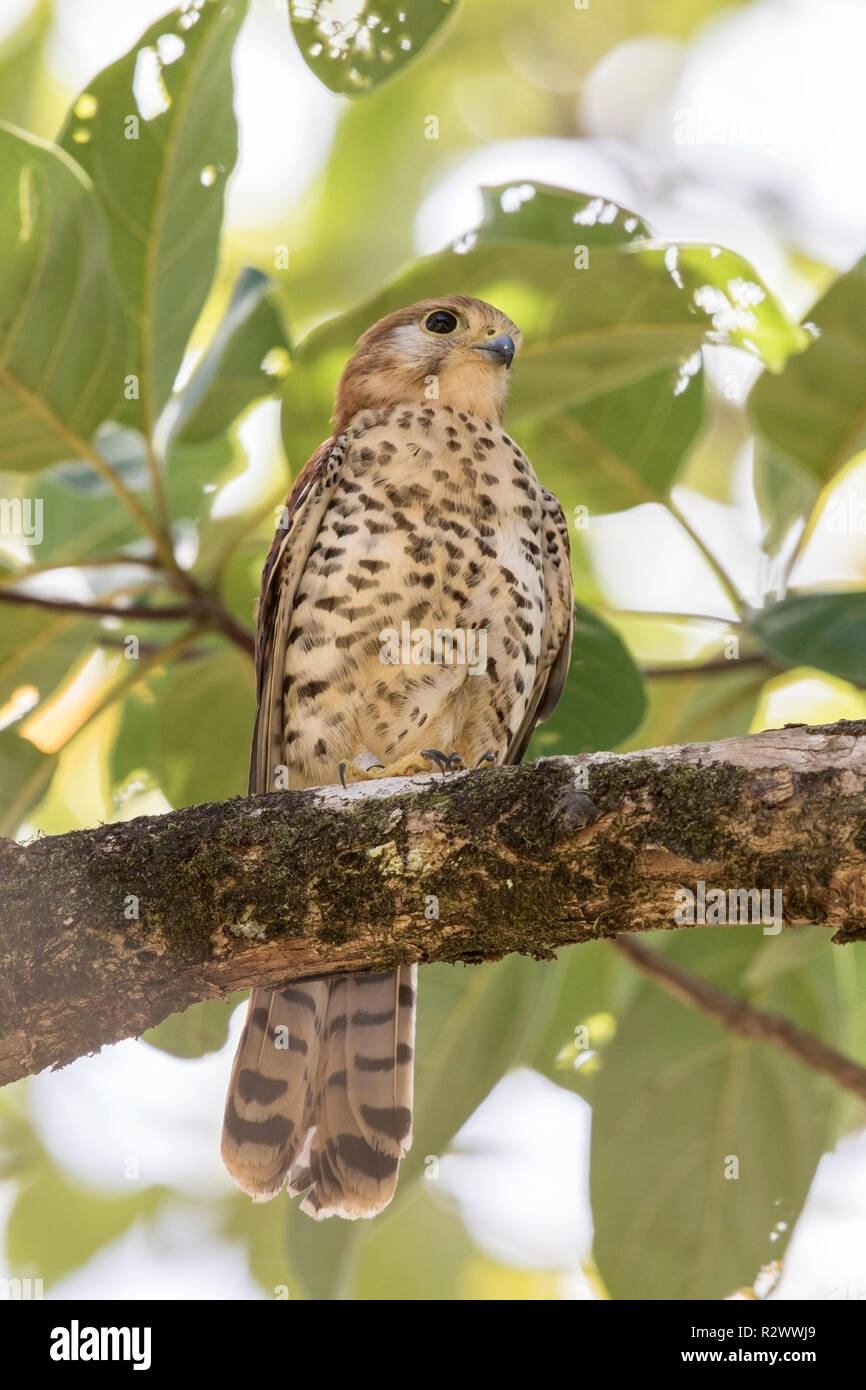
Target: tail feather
point(263, 1128)
point(341, 1119)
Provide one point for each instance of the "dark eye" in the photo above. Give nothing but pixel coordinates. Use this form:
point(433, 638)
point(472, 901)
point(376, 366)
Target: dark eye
point(441, 321)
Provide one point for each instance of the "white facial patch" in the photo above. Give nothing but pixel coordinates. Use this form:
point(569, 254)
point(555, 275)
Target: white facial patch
point(411, 344)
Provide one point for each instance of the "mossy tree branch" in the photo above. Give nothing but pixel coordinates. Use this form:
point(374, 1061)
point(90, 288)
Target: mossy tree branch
point(105, 932)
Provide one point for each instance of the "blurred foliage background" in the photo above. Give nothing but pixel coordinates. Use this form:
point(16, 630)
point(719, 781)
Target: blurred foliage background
point(641, 188)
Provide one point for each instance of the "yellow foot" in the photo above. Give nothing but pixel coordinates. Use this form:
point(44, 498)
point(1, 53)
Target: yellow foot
point(409, 766)
point(366, 767)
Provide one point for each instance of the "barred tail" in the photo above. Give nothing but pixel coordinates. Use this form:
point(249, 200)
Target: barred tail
point(321, 1092)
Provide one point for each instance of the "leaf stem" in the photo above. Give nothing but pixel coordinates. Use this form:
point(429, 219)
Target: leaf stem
point(733, 594)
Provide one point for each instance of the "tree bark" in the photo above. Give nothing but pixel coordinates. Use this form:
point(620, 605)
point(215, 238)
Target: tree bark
point(103, 933)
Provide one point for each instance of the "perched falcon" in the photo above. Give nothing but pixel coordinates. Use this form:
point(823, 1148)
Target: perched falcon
point(418, 515)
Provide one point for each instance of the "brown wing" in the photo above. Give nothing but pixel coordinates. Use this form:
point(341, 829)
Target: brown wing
point(280, 576)
point(321, 1089)
point(558, 626)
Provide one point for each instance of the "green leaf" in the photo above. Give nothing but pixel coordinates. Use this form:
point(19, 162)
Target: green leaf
point(25, 776)
point(725, 288)
point(639, 311)
point(160, 152)
point(82, 518)
point(603, 700)
point(814, 413)
point(692, 707)
point(634, 310)
point(78, 525)
point(823, 630)
point(485, 1013)
point(590, 986)
point(245, 360)
point(622, 447)
point(354, 48)
point(423, 1239)
point(784, 491)
point(529, 211)
point(619, 448)
point(124, 450)
point(193, 731)
point(56, 1224)
point(321, 1255)
point(200, 1029)
point(62, 331)
point(21, 58)
point(38, 648)
point(676, 1099)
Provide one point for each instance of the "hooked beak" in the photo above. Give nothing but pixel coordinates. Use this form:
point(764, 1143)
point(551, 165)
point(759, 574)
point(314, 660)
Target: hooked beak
point(500, 350)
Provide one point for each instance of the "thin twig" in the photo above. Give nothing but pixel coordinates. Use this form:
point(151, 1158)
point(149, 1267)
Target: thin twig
point(670, 616)
point(95, 562)
point(720, 663)
point(739, 1016)
point(203, 608)
point(172, 612)
point(109, 643)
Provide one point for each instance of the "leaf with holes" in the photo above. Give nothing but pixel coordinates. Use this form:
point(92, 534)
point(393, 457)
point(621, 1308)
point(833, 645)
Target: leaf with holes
point(354, 48)
point(62, 328)
point(156, 132)
point(528, 211)
point(598, 347)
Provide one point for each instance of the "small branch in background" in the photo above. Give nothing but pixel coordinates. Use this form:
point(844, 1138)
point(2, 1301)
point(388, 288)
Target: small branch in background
point(171, 613)
point(720, 663)
point(97, 562)
point(226, 623)
point(111, 643)
point(741, 1017)
point(202, 600)
point(204, 610)
point(669, 615)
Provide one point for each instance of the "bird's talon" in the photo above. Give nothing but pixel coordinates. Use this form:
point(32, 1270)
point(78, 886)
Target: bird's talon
point(446, 762)
point(434, 756)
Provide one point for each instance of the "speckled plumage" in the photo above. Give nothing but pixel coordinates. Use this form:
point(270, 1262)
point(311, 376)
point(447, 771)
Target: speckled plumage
point(417, 511)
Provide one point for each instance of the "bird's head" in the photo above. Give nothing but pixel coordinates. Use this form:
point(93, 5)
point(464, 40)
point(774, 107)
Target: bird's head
point(456, 351)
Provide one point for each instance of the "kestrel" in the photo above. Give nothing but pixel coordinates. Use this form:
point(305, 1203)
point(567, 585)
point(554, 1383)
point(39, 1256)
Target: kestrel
point(418, 516)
